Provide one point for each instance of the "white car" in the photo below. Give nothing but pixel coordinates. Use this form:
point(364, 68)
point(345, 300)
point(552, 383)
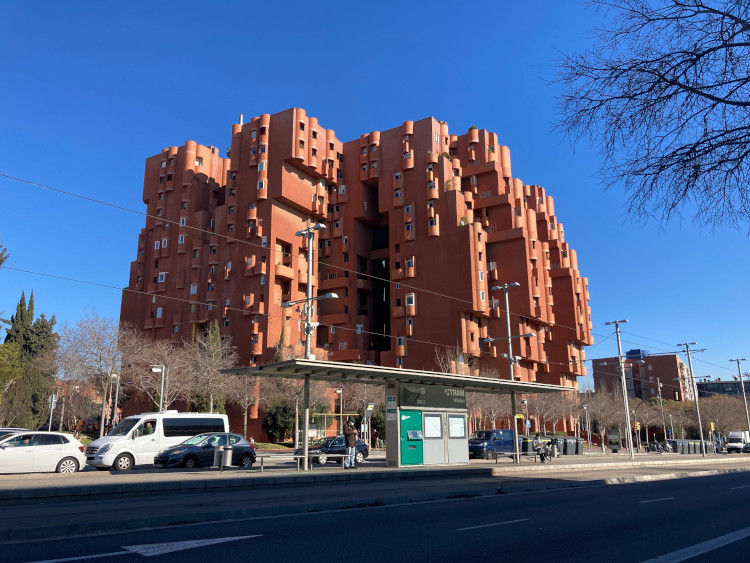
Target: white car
point(26, 452)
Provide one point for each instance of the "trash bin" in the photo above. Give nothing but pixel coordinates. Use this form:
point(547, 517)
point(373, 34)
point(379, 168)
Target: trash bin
point(579, 446)
point(226, 460)
point(526, 447)
point(694, 447)
point(570, 445)
point(217, 456)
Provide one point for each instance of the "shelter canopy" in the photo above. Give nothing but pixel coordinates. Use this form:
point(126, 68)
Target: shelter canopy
point(357, 373)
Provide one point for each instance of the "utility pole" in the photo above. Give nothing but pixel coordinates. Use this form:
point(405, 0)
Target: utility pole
point(661, 404)
point(629, 433)
point(742, 385)
point(695, 392)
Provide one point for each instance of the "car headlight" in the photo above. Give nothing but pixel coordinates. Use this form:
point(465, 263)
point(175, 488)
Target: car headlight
point(176, 452)
point(104, 449)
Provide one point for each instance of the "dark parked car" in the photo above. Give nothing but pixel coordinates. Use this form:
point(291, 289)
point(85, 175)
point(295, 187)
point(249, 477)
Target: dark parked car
point(489, 444)
point(319, 449)
point(199, 451)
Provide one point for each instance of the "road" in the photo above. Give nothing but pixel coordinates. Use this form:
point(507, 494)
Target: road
point(704, 516)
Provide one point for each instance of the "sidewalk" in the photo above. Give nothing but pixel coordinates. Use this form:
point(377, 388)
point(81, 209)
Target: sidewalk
point(90, 502)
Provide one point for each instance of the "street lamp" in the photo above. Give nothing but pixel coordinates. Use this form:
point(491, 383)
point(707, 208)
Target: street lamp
point(340, 392)
point(511, 361)
point(624, 386)
point(161, 369)
point(661, 405)
point(687, 346)
point(671, 426)
point(526, 421)
point(117, 396)
point(742, 384)
point(309, 234)
point(588, 426)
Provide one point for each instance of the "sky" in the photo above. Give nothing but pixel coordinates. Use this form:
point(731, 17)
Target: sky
point(90, 90)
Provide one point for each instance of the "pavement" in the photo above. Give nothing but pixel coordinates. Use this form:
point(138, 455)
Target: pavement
point(91, 502)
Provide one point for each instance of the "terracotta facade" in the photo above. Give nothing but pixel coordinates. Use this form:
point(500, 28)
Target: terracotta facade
point(420, 224)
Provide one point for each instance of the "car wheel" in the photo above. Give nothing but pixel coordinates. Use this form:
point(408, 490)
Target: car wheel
point(322, 458)
point(190, 462)
point(123, 462)
point(247, 461)
point(67, 465)
point(359, 457)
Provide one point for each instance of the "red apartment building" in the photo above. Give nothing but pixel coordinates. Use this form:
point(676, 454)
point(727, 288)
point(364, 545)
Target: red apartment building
point(420, 224)
point(643, 374)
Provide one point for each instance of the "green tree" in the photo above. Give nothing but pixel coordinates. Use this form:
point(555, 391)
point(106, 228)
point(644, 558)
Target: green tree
point(20, 323)
point(279, 422)
point(3, 254)
point(11, 366)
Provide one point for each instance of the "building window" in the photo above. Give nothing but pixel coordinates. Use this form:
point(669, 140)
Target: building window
point(194, 289)
point(184, 204)
point(226, 322)
point(164, 243)
point(261, 183)
point(254, 134)
point(210, 287)
point(262, 165)
point(407, 155)
point(409, 299)
point(264, 241)
point(302, 144)
point(253, 151)
point(262, 149)
point(183, 221)
point(407, 209)
point(409, 262)
point(262, 280)
point(397, 193)
point(399, 361)
point(181, 239)
point(157, 244)
point(230, 228)
point(397, 175)
point(231, 210)
point(163, 163)
point(199, 161)
point(342, 189)
point(399, 341)
point(374, 164)
point(162, 276)
point(212, 269)
point(175, 329)
point(481, 275)
point(159, 312)
point(481, 295)
point(336, 224)
point(409, 226)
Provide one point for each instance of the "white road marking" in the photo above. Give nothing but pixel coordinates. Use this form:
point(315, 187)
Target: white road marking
point(700, 548)
point(493, 524)
point(656, 500)
point(151, 549)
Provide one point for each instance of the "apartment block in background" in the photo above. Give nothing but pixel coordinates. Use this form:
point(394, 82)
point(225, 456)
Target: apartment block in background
point(643, 374)
point(421, 223)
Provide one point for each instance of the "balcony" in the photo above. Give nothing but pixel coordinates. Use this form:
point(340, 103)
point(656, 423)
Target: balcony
point(284, 272)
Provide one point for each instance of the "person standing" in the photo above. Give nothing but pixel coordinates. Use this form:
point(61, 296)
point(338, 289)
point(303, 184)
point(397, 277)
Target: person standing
point(350, 440)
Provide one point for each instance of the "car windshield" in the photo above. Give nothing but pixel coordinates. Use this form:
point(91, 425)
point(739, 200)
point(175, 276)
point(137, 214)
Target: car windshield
point(195, 439)
point(124, 427)
point(481, 435)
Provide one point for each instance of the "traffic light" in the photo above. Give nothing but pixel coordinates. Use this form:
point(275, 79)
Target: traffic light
point(637, 426)
point(711, 424)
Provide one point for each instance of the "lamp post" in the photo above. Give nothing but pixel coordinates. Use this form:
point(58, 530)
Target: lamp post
point(526, 422)
point(588, 426)
point(117, 396)
point(162, 369)
point(695, 392)
point(624, 386)
point(340, 393)
point(505, 287)
point(661, 405)
point(742, 385)
point(309, 327)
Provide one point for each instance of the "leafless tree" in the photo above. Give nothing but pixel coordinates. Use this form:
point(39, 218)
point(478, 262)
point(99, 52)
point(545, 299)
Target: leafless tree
point(209, 354)
point(89, 352)
point(453, 360)
point(242, 390)
point(664, 91)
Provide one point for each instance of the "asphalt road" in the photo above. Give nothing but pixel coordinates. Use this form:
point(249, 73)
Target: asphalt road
point(703, 518)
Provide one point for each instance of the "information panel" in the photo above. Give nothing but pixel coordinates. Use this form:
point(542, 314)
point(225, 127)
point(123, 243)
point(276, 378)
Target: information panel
point(431, 396)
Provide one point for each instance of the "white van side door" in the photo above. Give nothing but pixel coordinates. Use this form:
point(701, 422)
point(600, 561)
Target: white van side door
point(145, 442)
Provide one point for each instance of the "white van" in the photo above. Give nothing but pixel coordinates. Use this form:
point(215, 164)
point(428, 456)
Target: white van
point(137, 439)
point(738, 441)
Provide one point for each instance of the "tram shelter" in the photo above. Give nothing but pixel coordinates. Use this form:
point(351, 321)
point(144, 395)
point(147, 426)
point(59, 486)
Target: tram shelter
point(426, 416)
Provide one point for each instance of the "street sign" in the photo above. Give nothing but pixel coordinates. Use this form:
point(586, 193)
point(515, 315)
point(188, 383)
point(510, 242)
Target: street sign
point(52, 401)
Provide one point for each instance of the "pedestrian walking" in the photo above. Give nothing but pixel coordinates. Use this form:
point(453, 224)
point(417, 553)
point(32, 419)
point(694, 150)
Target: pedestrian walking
point(373, 438)
point(350, 437)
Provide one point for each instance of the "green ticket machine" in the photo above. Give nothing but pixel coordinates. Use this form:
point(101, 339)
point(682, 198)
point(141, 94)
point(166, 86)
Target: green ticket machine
point(430, 422)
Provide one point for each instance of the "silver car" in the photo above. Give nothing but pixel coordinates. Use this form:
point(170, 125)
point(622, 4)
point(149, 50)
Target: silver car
point(26, 452)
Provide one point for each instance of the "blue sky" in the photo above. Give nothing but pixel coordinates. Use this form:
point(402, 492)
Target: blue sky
point(93, 89)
